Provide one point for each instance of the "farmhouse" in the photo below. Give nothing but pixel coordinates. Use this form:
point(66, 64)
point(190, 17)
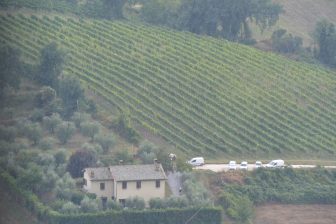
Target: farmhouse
point(124, 181)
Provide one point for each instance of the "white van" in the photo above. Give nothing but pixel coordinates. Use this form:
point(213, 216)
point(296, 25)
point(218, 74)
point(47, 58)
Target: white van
point(279, 163)
point(197, 161)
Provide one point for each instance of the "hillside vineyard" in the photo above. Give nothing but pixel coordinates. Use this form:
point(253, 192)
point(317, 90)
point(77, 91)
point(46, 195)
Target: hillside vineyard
point(201, 94)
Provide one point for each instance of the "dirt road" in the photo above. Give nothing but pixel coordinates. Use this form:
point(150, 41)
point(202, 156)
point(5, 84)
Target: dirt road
point(224, 167)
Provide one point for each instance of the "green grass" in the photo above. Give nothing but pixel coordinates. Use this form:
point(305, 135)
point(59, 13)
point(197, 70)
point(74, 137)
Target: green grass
point(202, 95)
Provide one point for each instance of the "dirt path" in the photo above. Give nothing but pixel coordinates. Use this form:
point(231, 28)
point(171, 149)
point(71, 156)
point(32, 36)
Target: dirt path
point(174, 182)
point(295, 214)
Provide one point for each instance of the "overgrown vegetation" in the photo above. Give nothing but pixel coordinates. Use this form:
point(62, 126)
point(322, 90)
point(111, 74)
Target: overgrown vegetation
point(287, 186)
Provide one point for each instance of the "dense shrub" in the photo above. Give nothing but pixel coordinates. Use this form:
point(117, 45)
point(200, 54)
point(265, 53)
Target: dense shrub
point(80, 160)
point(7, 133)
point(90, 129)
point(51, 122)
point(47, 143)
point(65, 131)
point(78, 118)
point(135, 203)
point(123, 126)
point(105, 141)
point(33, 132)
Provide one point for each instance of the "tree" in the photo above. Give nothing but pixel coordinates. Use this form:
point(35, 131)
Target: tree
point(90, 129)
point(52, 122)
point(33, 132)
point(114, 8)
point(105, 141)
point(78, 118)
point(71, 92)
point(10, 68)
point(147, 152)
point(65, 131)
point(45, 96)
point(51, 65)
point(135, 203)
point(325, 35)
point(80, 160)
point(285, 43)
point(221, 18)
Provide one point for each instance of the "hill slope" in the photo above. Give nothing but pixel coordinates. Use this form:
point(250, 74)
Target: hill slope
point(301, 16)
point(203, 95)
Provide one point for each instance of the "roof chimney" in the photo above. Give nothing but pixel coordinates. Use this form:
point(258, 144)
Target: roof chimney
point(157, 164)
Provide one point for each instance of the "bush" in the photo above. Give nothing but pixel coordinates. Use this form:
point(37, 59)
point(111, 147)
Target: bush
point(113, 205)
point(51, 123)
point(60, 157)
point(33, 132)
point(124, 156)
point(70, 208)
point(65, 131)
point(147, 152)
point(47, 143)
point(90, 129)
point(37, 115)
point(7, 133)
point(135, 203)
point(78, 118)
point(45, 96)
point(285, 43)
point(123, 126)
point(105, 141)
point(90, 205)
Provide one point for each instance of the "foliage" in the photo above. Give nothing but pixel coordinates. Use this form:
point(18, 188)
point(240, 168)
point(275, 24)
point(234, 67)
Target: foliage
point(135, 203)
point(80, 160)
point(51, 65)
point(90, 205)
point(285, 43)
point(51, 122)
point(288, 186)
point(226, 18)
point(113, 205)
point(71, 92)
point(147, 152)
point(45, 96)
point(60, 157)
point(65, 131)
point(7, 133)
point(123, 126)
point(124, 156)
point(47, 143)
point(202, 95)
point(325, 35)
point(105, 141)
point(33, 132)
point(11, 68)
point(78, 118)
point(90, 129)
point(70, 208)
point(194, 191)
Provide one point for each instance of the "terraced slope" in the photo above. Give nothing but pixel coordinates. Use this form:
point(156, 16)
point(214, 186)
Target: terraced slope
point(203, 95)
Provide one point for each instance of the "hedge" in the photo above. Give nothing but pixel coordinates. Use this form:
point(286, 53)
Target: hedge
point(211, 215)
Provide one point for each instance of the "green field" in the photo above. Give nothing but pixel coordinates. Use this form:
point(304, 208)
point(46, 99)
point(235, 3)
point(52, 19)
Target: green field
point(203, 95)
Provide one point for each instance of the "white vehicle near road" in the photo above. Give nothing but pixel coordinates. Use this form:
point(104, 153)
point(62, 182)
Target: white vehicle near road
point(232, 165)
point(197, 161)
point(258, 164)
point(243, 165)
point(278, 163)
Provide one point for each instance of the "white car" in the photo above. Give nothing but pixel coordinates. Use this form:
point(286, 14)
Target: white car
point(197, 161)
point(232, 165)
point(258, 164)
point(243, 165)
point(278, 163)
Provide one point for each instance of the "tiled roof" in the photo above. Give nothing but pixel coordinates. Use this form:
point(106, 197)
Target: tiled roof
point(138, 172)
point(99, 173)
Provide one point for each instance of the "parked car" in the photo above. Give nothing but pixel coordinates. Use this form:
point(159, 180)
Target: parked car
point(278, 163)
point(243, 165)
point(197, 161)
point(232, 165)
point(258, 164)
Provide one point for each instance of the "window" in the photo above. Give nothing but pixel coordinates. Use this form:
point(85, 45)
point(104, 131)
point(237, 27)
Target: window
point(102, 186)
point(124, 185)
point(157, 183)
point(138, 184)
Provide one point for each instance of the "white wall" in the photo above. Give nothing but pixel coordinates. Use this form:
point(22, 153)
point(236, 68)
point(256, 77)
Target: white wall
point(147, 191)
point(94, 187)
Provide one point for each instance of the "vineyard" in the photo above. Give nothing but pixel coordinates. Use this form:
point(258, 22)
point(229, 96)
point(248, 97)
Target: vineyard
point(203, 95)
